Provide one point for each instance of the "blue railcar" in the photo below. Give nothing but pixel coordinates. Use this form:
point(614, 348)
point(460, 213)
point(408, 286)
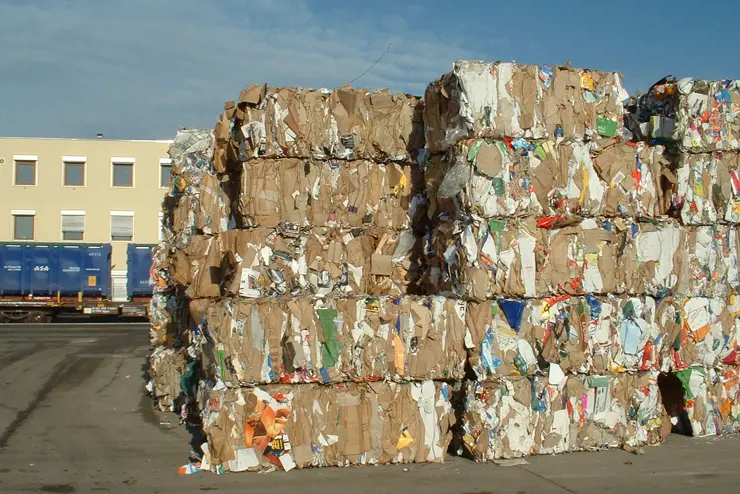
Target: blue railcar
point(41, 280)
point(139, 260)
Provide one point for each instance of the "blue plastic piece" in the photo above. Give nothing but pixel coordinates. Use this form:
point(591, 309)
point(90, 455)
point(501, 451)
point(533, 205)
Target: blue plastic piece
point(513, 309)
point(139, 283)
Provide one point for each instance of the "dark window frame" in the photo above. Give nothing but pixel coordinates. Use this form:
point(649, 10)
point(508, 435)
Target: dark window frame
point(83, 164)
point(15, 226)
point(16, 164)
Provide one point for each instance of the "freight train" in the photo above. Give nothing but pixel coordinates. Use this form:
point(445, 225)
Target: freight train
point(42, 281)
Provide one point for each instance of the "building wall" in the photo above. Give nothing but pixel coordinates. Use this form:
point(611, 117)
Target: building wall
point(97, 198)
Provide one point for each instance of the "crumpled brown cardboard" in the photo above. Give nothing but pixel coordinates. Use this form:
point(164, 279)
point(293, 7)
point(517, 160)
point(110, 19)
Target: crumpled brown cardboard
point(288, 427)
point(518, 416)
point(502, 99)
point(335, 193)
point(303, 340)
point(273, 262)
point(344, 123)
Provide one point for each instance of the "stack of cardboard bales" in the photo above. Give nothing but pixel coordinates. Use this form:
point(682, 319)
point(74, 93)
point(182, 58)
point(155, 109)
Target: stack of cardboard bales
point(314, 345)
point(195, 203)
point(328, 294)
point(539, 207)
point(700, 120)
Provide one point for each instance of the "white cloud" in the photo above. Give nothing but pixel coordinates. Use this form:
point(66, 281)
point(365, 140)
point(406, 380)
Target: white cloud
point(142, 69)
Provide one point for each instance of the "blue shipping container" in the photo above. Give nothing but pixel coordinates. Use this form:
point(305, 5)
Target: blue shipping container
point(139, 283)
point(43, 270)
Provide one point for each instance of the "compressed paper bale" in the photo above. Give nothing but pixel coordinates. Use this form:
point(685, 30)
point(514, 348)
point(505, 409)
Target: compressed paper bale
point(711, 399)
point(302, 340)
point(699, 115)
point(502, 99)
point(708, 261)
point(197, 200)
point(708, 188)
point(344, 194)
point(650, 256)
point(730, 354)
point(580, 335)
point(167, 313)
point(477, 260)
point(665, 257)
point(518, 416)
point(699, 331)
point(267, 262)
point(520, 177)
point(638, 338)
point(583, 258)
point(344, 123)
point(320, 426)
point(616, 411)
point(498, 420)
point(166, 366)
point(498, 181)
point(204, 208)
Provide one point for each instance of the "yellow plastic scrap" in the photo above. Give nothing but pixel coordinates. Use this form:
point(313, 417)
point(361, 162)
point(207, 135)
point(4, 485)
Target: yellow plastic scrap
point(405, 439)
point(584, 171)
point(400, 185)
point(587, 82)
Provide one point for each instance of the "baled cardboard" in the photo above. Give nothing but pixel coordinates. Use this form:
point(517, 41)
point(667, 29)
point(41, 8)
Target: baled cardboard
point(344, 123)
point(336, 193)
point(249, 429)
point(270, 262)
point(700, 116)
point(302, 340)
point(518, 416)
point(502, 99)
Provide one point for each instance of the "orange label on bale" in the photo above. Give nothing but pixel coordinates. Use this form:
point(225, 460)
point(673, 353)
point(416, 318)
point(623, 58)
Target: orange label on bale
point(398, 352)
point(92, 281)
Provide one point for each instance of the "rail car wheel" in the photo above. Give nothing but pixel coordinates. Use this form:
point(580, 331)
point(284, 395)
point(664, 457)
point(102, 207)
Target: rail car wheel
point(13, 317)
point(39, 317)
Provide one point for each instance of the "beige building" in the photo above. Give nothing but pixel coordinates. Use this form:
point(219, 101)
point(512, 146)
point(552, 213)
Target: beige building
point(83, 190)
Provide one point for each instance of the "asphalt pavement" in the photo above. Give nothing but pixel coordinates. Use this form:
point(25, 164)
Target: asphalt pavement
point(74, 418)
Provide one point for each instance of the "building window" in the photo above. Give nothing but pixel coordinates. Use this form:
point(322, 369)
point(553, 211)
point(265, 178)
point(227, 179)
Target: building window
point(122, 226)
point(73, 225)
point(74, 171)
point(25, 172)
point(123, 172)
point(165, 173)
point(23, 226)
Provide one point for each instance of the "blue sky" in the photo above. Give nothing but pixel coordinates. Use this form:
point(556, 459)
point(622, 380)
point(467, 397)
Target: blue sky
point(142, 69)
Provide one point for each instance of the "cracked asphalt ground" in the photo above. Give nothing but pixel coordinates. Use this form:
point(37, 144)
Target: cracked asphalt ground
point(74, 418)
